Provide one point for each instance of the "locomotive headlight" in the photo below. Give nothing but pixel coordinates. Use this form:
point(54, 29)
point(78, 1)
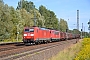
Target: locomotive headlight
point(32, 34)
point(25, 34)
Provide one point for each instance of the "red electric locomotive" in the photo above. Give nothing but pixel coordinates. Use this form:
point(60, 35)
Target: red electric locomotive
point(55, 35)
point(36, 35)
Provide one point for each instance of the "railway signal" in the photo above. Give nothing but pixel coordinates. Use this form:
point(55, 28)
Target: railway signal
point(66, 30)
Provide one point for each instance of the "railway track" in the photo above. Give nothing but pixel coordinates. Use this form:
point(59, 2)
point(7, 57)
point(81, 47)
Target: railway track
point(30, 50)
point(11, 46)
point(9, 43)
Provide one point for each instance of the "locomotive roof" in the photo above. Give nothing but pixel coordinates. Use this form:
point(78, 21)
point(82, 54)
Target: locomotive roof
point(42, 28)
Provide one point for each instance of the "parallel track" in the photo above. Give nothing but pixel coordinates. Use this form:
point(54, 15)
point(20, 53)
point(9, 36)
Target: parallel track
point(9, 43)
point(34, 50)
point(11, 46)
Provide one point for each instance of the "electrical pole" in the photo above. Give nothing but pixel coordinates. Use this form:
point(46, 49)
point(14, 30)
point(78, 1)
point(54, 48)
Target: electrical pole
point(59, 24)
point(34, 16)
point(74, 28)
point(82, 30)
point(89, 26)
point(21, 4)
point(78, 20)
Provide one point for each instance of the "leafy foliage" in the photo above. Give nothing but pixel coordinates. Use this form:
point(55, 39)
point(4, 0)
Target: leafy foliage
point(63, 25)
point(49, 17)
point(26, 15)
point(84, 54)
point(26, 5)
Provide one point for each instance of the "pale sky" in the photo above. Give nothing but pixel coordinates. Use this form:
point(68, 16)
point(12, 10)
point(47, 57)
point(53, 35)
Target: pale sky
point(66, 9)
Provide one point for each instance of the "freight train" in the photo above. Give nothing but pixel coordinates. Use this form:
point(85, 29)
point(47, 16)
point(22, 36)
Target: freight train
point(39, 35)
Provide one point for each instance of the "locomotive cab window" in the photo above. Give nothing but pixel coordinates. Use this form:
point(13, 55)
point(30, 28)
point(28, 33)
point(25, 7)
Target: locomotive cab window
point(57, 33)
point(31, 30)
point(26, 30)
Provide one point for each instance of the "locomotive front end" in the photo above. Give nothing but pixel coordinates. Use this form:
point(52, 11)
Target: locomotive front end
point(28, 35)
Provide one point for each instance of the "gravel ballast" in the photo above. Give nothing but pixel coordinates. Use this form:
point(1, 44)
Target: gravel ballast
point(48, 53)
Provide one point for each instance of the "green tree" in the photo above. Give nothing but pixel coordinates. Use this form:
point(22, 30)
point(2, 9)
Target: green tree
point(63, 25)
point(22, 4)
point(49, 17)
point(6, 22)
point(75, 31)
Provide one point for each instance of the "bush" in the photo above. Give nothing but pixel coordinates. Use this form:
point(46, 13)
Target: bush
point(84, 54)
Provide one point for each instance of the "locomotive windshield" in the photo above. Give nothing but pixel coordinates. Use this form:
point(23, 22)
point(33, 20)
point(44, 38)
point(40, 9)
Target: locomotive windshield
point(29, 30)
point(26, 30)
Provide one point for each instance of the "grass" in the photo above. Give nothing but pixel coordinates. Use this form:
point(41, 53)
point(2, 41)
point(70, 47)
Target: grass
point(69, 53)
